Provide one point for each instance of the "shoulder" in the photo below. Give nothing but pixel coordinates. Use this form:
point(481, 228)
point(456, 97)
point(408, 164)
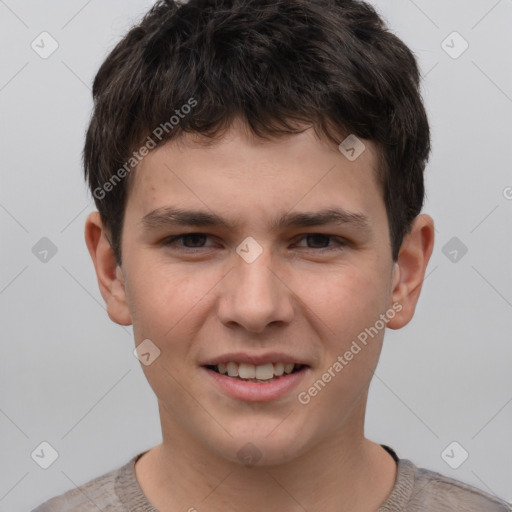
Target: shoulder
point(97, 494)
point(430, 491)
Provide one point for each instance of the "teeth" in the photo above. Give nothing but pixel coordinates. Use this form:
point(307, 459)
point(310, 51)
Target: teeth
point(264, 371)
point(279, 369)
point(288, 367)
point(246, 371)
point(232, 369)
point(250, 371)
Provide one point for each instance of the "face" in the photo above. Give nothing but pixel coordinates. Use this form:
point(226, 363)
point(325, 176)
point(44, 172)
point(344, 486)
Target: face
point(250, 251)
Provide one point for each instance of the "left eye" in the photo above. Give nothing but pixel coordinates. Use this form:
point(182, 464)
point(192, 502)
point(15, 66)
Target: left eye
point(322, 240)
point(197, 241)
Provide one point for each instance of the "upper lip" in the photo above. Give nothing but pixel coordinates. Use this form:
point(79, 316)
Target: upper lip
point(255, 359)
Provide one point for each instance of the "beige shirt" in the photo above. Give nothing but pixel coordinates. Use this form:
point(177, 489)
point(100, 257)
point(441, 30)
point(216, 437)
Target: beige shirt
point(415, 490)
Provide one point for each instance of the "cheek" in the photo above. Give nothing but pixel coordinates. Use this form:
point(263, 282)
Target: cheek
point(346, 300)
point(349, 305)
point(166, 299)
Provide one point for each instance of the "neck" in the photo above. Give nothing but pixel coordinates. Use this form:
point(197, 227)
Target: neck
point(345, 472)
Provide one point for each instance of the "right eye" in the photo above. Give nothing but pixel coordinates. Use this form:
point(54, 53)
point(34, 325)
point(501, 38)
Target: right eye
point(189, 241)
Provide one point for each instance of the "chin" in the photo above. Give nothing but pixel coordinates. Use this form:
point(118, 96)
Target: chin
point(268, 443)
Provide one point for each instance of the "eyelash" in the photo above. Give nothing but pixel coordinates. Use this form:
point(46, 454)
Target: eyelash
point(340, 241)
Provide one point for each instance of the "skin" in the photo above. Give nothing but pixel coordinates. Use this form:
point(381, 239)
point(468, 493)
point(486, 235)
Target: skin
point(297, 297)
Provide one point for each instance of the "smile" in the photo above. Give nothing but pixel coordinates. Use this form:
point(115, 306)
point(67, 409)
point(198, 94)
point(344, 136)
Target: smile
point(256, 383)
point(255, 373)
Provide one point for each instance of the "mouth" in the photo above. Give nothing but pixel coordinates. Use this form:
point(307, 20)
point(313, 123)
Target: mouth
point(263, 373)
point(256, 376)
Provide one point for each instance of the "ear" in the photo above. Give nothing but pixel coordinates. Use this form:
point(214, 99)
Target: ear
point(109, 274)
point(409, 269)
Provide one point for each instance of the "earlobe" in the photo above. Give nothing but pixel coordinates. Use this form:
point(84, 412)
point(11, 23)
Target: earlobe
point(410, 267)
point(110, 277)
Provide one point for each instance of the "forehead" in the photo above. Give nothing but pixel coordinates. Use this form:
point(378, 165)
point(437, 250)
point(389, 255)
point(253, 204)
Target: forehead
point(242, 175)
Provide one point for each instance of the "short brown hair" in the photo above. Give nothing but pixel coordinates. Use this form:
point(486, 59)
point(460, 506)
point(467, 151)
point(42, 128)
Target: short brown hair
point(277, 64)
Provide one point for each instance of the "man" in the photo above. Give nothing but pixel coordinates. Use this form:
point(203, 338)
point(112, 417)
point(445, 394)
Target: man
point(258, 172)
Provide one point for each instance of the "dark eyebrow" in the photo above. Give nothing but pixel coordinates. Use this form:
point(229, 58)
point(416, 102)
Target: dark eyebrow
point(167, 216)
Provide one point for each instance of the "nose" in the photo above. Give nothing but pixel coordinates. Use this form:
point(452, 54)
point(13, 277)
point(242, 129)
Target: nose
point(255, 295)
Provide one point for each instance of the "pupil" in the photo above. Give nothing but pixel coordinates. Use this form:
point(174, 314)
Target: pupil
point(323, 238)
point(195, 237)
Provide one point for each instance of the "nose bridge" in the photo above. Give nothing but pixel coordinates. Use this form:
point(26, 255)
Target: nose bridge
point(253, 295)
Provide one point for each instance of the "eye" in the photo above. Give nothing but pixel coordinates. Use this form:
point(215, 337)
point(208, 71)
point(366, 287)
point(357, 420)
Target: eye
point(190, 241)
point(319, 239)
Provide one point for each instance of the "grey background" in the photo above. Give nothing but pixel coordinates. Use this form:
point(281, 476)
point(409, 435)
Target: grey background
point(67, 373)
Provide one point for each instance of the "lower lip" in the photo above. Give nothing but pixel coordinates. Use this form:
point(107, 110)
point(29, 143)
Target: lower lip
point(255, 391)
